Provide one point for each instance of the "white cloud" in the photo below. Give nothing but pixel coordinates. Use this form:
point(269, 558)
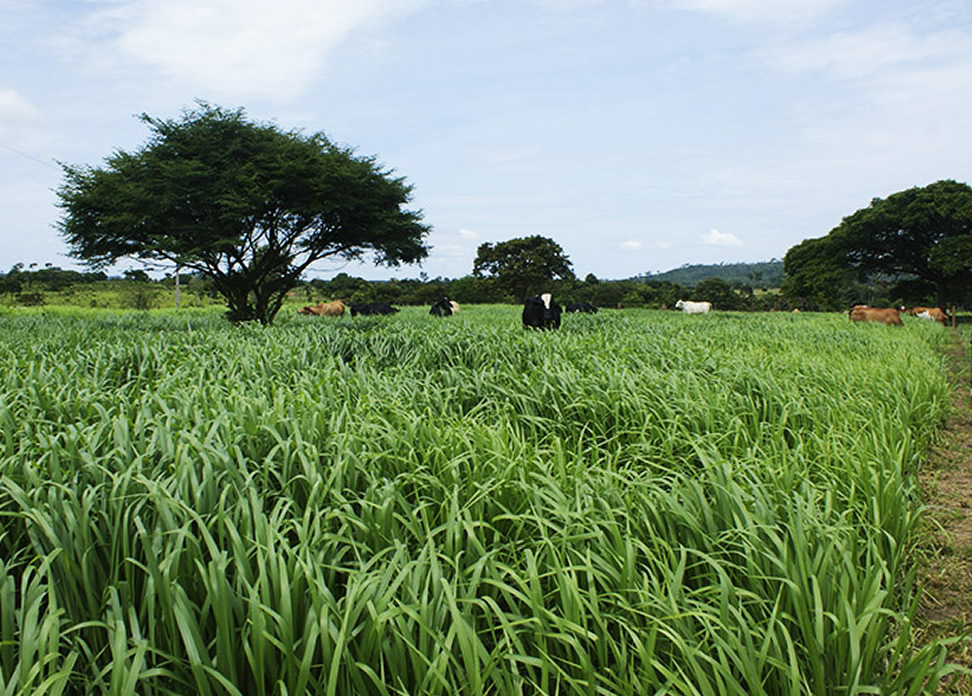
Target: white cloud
point(721, 239)
point(631, 244)
point(449, 251)
point(664, 245)
point(911, 94)
point(243, 47)
point(468, 234)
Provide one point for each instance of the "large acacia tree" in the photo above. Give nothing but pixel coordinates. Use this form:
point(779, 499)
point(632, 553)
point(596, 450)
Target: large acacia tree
point(523, 265)
point(246, 204)
point(923, 233)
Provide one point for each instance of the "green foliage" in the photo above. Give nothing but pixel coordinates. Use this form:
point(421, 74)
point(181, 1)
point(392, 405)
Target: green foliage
point(523, 266)
point(247, 205)
point(720, 293)
point(49, 279)
point(141, 295)
point(815, 277)
point(919, 233)
point(764, 274)
point(643, 502)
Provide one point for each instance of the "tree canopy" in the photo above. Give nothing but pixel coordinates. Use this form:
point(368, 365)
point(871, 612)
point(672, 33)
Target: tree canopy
point(524, 265)
point(922, 234)
point(246, 204)
point(816, 277)
point(719, 292)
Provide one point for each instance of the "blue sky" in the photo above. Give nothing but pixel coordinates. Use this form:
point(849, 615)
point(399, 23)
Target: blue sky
point(641, 135)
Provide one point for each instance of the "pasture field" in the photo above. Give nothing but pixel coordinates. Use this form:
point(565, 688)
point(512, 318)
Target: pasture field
point(640, 503)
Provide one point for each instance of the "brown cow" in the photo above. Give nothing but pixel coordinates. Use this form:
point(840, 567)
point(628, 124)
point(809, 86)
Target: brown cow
point(324, 309)
point(889, 316)
point(933, 313)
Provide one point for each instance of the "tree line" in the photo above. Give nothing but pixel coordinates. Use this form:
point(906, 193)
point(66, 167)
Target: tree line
point(249, 208)
point(136, 290)
point(760, 274)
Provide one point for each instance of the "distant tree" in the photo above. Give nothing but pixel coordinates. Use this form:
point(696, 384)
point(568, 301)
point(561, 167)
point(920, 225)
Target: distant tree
point(138, 275)
point(768, 273)
point(10, 282)
point(815, 276)
point(472, 289)
point(632, 298)
point(719, 293)
point(245, 204)
point(922, 232)
point(524, 265)
point(350, 289)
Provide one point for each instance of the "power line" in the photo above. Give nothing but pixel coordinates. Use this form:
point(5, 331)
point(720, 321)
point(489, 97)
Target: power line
point(24, 154)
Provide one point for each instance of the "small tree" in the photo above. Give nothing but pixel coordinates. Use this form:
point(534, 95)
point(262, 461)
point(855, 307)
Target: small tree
point(524, 265)
point(245, 204)
point(719, 292)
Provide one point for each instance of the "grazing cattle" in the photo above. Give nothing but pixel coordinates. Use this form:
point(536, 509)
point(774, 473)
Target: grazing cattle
point(541, 312)
point(889, 316)
point(443, 308)
point(454, 305)
point(693, 307)
point(367, 309)
point(933, 313)
point(323, 309)
point(584, 307)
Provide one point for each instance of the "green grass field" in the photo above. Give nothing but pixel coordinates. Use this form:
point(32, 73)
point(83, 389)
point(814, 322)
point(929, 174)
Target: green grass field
point(643, 502)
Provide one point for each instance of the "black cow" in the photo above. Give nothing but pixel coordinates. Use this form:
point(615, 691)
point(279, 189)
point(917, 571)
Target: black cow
point(442, 308)
point(541, 312)
point(585, 307)
point(366, 309)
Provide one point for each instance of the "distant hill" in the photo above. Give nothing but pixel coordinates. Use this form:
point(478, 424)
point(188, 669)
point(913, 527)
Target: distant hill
point(762, 274)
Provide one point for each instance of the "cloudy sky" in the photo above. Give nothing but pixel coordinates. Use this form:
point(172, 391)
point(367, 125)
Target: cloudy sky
point(641, 135)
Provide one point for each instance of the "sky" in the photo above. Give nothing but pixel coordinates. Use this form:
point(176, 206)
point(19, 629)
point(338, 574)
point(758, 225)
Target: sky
point(640, 135)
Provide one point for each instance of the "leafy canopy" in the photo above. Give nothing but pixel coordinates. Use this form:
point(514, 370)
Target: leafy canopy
point(524, 265)
point(246, 204)
point(920, 233)
point(815, 276)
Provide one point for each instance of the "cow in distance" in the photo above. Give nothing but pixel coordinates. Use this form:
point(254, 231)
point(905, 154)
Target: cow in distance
point(372, 308)
point(932, 313)
point(889, 316)
point(541, 312)
point(323, 309)
point(444, 308)
point(693, 307)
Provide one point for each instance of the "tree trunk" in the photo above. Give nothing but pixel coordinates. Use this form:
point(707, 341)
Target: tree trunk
point(941, 294)
point(236, 292)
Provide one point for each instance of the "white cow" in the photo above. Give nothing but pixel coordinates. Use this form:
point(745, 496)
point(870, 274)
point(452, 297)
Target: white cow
point(693, 307)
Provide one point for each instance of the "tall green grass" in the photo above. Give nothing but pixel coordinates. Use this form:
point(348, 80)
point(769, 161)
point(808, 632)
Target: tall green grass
point(642, 502)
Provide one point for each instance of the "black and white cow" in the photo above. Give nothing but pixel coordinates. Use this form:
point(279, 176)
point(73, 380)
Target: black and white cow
point(366, 309)
point(585, 307)
point(442, 308)
point(541, 312)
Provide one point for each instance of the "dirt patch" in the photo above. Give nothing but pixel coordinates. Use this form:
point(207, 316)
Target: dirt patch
point(946, 481)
